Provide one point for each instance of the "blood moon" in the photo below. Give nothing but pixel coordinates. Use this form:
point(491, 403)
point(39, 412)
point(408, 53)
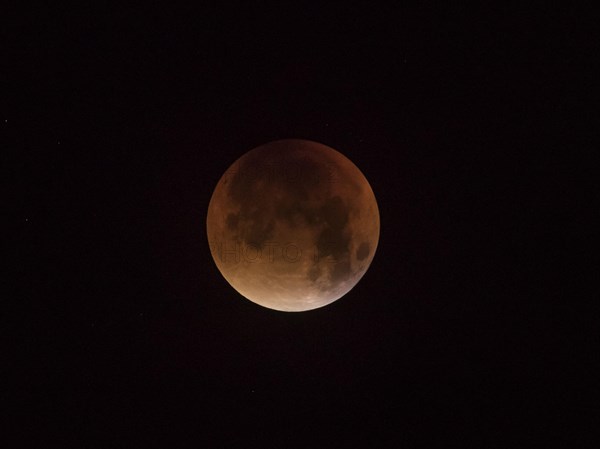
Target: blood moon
point(293, 225)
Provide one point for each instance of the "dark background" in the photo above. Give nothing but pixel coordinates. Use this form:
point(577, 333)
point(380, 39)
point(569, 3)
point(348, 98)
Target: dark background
point(118, 124)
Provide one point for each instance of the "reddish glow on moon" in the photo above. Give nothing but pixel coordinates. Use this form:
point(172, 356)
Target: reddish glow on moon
point(293, 225)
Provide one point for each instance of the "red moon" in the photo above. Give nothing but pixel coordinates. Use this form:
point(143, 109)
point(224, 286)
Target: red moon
point(293, 225)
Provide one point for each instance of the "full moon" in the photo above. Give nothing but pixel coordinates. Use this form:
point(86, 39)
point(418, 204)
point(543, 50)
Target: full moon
point(293, 225)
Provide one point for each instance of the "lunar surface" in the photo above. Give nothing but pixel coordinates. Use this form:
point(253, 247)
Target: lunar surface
point(293, 225)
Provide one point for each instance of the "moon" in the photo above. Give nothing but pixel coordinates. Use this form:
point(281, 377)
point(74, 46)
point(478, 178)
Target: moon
point(293, 225)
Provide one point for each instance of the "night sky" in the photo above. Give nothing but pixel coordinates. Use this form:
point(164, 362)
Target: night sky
point(117, 125)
